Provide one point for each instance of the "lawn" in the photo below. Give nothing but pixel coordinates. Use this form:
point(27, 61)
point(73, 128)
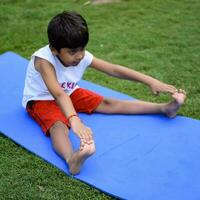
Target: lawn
point(159, 38)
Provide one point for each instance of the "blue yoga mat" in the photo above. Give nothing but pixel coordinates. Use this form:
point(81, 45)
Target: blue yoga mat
point(139, 157)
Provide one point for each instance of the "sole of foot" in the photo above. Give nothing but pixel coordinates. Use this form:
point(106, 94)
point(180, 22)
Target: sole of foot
point(173, 107)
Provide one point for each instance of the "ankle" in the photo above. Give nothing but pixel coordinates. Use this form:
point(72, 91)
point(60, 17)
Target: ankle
point(68, 158)
point(163, 108)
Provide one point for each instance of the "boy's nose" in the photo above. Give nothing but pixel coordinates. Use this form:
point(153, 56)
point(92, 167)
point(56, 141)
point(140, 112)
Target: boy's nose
point(79, 55)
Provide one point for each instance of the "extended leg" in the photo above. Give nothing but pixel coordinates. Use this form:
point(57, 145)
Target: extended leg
point(141, 107)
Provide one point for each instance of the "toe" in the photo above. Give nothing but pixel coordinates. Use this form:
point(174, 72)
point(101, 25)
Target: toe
point(182, 91)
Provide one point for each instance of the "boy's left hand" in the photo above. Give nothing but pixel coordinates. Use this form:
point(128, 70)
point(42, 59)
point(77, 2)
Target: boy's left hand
point(158, 86)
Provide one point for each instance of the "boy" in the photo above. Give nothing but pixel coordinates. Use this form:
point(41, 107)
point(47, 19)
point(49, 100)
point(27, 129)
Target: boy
point(53, 98)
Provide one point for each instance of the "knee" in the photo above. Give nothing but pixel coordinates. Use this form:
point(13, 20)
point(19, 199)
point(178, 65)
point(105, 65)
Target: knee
point(107, 102)
point(58, 127)
point(109, 105)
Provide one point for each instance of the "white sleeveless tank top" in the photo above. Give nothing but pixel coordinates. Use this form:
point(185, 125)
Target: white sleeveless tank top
point(35, 88)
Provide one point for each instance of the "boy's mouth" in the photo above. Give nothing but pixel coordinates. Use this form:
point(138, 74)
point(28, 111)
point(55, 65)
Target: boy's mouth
point(75, 63)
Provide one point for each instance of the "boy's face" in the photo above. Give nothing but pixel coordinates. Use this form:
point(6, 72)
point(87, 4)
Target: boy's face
point(70, 57)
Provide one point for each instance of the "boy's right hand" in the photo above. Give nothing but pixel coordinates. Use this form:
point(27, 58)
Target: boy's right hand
point(82, 131)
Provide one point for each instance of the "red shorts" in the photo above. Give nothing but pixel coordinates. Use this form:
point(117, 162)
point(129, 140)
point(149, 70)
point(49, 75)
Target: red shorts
point(47, 112)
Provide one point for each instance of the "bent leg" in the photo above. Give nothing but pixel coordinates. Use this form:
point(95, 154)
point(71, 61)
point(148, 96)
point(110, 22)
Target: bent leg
point(59, 136)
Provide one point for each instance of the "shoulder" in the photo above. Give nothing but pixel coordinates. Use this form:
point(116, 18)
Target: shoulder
point(45, 53)
point(88, 55)
point(87, 60)
point(42, 64)
point(43, 50)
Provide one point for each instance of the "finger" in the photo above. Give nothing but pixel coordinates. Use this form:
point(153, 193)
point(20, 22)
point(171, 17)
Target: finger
point(85, 135)
point(174, 90)
point(90, 134)
point(82, 144)
point(182, 91)
point(81, 136)
point(83, 139)
point(171, 89)
point(87, 132)
point(155, 92)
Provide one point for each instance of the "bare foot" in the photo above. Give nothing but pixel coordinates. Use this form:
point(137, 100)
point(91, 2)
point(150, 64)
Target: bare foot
point(172, 108)
point(77, 159)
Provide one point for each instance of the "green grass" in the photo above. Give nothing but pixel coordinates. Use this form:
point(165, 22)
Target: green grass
point(159, 38)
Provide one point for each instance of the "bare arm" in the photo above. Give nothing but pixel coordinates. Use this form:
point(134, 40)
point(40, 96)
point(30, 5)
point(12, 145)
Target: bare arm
point(130, 74)
point(48, 74)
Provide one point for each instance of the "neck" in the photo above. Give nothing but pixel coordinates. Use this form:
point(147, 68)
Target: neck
point(61, 61)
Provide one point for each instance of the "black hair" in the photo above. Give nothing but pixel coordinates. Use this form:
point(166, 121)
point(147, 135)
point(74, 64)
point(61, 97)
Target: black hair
point(68, 30)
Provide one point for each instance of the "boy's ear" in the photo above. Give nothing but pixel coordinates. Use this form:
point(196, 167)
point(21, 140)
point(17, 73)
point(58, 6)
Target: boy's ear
point(54, 51)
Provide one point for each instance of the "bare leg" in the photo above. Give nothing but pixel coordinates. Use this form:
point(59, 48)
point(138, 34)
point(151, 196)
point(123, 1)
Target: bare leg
point(62, 145)
point(141, 107)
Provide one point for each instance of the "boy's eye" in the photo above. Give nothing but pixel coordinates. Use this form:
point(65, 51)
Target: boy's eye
point(74, 51)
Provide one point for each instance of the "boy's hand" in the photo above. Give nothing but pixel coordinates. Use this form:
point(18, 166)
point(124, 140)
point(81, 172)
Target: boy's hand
point(157, 87)
point(82, 131)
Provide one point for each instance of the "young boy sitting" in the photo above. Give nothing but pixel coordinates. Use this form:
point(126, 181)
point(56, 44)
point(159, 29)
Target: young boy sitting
point(53, 98)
